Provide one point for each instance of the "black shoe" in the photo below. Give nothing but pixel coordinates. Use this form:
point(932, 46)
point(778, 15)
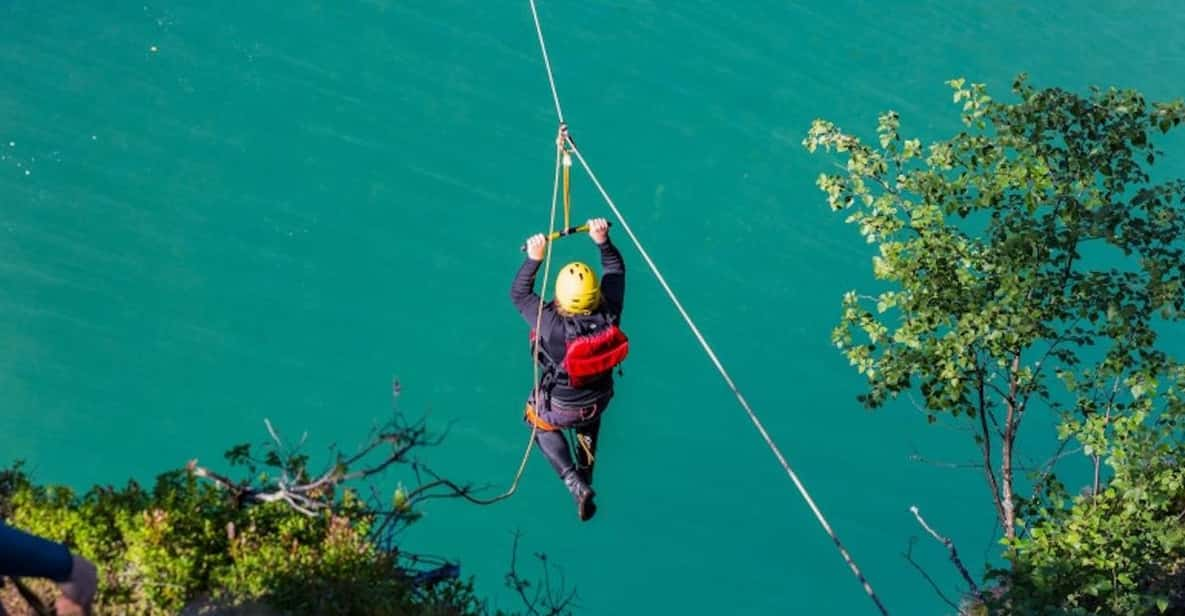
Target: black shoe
point(582, 494)
point(586, 473)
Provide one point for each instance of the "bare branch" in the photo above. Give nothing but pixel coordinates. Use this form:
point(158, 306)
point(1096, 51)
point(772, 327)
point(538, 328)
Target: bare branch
point(934, 585)
point(1098, 460)
point(272, 431)
point(391, 444)
point(922, 409)
point(1046, 467)
point(546, 601)
point(917, 457)
point(237, 490)
point(1004, 397)
point(986, 447)
point(1061, 452)
point(1040, 365)
point(1047, 470)
point(995, 422)
point(954, 554)
point(312, 497)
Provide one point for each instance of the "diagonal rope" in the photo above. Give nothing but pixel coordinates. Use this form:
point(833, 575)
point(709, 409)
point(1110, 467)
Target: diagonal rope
point(704, 343)
point(731, 385)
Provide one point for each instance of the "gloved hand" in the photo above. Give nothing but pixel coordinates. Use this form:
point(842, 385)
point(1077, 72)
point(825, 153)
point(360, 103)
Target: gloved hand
point(535, 246)
point(598, 230)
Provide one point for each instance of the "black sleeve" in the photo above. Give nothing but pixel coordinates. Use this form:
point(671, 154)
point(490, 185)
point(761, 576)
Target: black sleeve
point(26, 555)
point(612, 277)
point(522, 291)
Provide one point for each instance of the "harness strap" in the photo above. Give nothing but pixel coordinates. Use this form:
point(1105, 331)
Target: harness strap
point(536, 420)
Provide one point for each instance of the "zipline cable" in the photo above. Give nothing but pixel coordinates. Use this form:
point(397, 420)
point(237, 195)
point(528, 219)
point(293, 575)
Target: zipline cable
point(699, 336)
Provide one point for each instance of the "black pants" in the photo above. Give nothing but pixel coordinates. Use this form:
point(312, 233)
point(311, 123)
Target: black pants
point(585, 423)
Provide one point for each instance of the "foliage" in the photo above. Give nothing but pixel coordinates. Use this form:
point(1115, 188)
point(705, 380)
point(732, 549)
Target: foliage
point(1029, 262)
point(278, 535)
point(1122, 550)
point(161, 548)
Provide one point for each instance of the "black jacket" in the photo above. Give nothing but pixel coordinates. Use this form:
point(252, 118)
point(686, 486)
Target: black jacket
point(551, 329)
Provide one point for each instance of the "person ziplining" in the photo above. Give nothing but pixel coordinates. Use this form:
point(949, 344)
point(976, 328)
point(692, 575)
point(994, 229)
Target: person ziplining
point(579, 343)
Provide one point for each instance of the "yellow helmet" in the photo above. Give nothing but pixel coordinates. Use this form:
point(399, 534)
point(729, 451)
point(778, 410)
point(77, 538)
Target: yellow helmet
point(576, 289)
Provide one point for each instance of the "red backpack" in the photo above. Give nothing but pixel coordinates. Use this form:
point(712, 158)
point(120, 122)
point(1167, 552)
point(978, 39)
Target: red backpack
point(594, 346)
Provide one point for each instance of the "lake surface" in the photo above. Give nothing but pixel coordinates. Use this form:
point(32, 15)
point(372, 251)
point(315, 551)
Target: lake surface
point(216, 213)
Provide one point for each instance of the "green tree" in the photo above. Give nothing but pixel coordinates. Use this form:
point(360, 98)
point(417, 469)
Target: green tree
point(1028, 263)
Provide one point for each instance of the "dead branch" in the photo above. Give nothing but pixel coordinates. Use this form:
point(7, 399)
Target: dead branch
point(314, 494)
point(954, 553)
point(1041, 363)
point(917, 457)
point(386, 446)
point(1047, 467)
point(934, 585)
point(545, 601)
point(920, 408)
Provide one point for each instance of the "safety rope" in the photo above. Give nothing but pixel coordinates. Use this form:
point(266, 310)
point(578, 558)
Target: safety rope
point(567, 181)
point(522, 466)
point(699, 336)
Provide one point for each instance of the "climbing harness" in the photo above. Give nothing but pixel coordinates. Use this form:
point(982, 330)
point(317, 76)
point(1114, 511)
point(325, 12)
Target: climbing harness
point(594, 347)
point(570, 148)
point(536, 421)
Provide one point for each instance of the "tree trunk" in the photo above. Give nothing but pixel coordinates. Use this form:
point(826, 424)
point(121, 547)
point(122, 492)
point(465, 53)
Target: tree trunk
point(1009, 520)
point(1010, 425)
point(986, 446)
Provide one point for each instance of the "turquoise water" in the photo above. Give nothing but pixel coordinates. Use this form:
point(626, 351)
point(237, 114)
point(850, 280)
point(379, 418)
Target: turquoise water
point(212, 214)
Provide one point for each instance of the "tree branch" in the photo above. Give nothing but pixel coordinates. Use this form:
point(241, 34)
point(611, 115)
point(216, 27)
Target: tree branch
point(1040, 365)
point(986, 446)
point(1046, 467)
point(995, 422)
point(546, 601)
point(1106, 420)
point(313, 497)
point(957, 427)
point(1000, 392)
point(1047, 470)
point(934, 585)
point(954, 553)
point(917, 457)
